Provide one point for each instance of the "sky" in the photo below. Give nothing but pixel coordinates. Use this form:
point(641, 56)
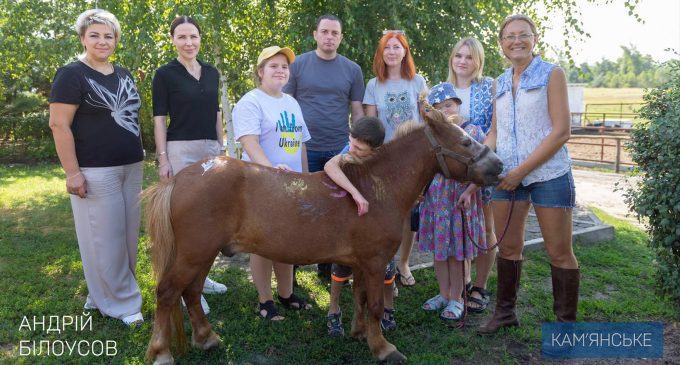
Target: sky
point(610, 27)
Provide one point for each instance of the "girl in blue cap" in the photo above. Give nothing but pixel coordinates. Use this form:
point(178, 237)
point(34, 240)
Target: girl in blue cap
point(441, 229)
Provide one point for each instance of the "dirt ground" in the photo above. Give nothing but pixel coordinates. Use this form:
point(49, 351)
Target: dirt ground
point(604, 190)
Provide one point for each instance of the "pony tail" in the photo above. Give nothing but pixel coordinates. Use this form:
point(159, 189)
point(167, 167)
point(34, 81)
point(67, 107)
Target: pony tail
point(162, 247)
point(159, 226)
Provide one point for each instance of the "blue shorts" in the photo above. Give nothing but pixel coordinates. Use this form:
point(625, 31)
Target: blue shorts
point(556, 193)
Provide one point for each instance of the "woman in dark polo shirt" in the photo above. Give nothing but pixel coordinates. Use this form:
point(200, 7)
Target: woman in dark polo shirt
point(187, 90)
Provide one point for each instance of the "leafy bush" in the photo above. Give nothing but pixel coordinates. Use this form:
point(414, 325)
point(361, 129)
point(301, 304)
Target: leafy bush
point(24, 130)
point(655, 147)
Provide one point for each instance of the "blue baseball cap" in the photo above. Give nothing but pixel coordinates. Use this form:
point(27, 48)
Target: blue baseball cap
point(442, 91)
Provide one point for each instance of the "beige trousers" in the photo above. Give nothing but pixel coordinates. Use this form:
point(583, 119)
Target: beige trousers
point(107, 225)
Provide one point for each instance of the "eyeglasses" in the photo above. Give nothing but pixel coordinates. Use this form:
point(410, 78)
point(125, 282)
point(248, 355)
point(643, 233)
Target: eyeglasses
point(521, 37)
point(394, 31)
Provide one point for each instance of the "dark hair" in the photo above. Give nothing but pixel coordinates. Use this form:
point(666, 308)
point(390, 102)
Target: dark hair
point(369, 130)
point(181, 20)
point(327, 17)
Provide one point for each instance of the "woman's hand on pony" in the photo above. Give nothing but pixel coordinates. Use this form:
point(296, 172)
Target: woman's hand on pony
point(510, 181)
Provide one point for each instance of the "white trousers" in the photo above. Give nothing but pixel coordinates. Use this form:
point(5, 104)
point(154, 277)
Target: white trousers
point(184, 153)
point(107, 225)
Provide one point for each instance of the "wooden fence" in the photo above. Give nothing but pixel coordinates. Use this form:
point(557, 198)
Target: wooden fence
point(595, 146)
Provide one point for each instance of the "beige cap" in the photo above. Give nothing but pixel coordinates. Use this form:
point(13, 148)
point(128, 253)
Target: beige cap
point(274, 50)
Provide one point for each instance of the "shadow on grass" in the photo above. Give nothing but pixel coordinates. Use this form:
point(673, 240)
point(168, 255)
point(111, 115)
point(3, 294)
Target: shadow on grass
point(42, 276)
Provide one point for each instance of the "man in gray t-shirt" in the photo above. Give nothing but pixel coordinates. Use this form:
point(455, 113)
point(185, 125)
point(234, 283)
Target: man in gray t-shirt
point(325, 84)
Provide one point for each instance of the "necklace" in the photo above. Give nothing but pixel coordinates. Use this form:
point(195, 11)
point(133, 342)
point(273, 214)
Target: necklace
point(107, 69)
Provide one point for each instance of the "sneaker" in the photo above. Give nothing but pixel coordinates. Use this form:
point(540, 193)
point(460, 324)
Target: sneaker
point(133, 320)
point(387, 322)
point(334, 324)
point(89, 304)
point(212, 287)
point(204, 305)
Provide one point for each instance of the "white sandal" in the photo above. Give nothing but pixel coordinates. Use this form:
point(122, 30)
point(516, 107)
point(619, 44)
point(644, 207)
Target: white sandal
point(454, 307)
point(435, 303)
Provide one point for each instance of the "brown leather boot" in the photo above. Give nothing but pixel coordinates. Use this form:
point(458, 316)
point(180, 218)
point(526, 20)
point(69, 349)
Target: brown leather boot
point(509, 272)
point(565, 284)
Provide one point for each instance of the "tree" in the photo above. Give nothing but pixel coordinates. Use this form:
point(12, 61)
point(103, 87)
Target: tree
point(632, 69)
point(36, 36)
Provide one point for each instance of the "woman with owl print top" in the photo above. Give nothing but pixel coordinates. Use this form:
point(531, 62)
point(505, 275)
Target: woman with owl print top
point(94, 109)
point(392, 96)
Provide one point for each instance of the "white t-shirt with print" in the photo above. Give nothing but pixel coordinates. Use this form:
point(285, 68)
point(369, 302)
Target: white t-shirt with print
point(277, 121)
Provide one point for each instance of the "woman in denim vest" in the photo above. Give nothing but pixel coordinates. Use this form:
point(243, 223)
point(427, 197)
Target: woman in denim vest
point(530, 127)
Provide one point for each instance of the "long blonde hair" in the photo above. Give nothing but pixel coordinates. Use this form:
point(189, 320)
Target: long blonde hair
point(477, 52)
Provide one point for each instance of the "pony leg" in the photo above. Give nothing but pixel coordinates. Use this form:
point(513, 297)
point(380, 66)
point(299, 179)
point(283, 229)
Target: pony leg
point(202, 335)
point(359, 318)
point(380, 347)
point(168, 312)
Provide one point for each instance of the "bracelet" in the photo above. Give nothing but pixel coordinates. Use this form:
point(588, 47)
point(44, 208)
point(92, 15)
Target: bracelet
point(163, 165)
point(72, 176)
point(161, 154)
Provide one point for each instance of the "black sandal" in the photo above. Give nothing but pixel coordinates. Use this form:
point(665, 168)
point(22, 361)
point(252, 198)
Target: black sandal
point(294, 302)
point(270, 310)
point(482, 302)
point(387, 322)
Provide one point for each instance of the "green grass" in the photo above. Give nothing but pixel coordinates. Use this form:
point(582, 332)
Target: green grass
point(613, 97)
point(42, 276)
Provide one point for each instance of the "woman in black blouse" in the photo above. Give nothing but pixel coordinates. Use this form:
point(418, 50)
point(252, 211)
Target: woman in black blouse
point(93, 116)
point(187, 90)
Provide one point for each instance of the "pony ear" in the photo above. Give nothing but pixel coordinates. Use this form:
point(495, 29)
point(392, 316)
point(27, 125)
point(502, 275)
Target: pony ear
point(431, 116)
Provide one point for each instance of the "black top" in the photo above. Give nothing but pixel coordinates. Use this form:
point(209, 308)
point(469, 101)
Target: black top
point(106, 126)
point(192, 104)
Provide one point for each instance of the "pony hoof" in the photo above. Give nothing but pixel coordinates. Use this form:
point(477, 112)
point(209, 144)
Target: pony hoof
point(396, 357)
point(164, 359)
point(212, 342)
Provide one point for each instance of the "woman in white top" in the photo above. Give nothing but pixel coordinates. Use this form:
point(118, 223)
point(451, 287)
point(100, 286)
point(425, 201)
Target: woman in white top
point(529, 130)
point(272, 131)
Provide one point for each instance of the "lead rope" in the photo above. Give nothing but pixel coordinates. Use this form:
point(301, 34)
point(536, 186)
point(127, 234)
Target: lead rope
point(468, 236)
point(466, 226)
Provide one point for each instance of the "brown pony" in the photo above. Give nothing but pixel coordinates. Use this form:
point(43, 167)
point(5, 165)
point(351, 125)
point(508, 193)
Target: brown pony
point(229, 206)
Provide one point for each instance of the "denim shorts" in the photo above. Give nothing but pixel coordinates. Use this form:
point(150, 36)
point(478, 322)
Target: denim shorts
point(556, 193)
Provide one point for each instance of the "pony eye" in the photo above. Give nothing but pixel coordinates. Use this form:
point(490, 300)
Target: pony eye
point(402, 98)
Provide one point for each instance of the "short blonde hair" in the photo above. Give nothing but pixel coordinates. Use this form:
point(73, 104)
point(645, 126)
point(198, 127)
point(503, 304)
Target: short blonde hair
point(477, 52)
point(97, 16)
